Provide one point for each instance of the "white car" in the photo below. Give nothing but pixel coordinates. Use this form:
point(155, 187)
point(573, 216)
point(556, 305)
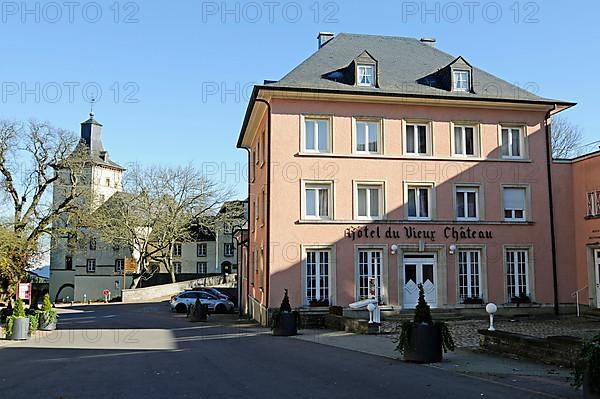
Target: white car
point(182, 303)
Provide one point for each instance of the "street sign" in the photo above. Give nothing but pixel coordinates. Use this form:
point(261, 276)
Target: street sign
point(130, 265)
point(105, 292)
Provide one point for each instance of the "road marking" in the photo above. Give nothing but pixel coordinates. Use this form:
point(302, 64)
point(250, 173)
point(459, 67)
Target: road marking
point(106, 355)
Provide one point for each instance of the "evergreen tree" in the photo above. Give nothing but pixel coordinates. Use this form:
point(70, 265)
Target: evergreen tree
point(422, 311)
point(285, 304)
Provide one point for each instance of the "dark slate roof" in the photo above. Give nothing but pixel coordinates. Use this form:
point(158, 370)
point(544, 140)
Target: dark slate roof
point(403, 65)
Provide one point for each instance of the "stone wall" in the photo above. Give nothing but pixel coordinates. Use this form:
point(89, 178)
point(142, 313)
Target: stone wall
point(166, 290)
point(559, 350)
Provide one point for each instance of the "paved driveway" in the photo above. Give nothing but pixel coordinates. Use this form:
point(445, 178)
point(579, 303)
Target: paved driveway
point(133, 351)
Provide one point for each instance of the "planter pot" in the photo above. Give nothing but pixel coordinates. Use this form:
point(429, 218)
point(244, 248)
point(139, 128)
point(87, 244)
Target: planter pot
point(196, 317)
point(20, 330)
point(46, 325)
point(287, 325)
point(424, 345)
point(587, 390)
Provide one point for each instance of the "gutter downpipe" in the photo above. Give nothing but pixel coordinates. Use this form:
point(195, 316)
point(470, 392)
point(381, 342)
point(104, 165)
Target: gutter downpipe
point(548, 124)
point(268, 215)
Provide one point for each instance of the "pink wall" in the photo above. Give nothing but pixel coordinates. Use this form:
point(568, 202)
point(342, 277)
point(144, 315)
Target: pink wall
point(289, 167)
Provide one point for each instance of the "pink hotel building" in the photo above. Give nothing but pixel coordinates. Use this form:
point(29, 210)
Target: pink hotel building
point(383, 159)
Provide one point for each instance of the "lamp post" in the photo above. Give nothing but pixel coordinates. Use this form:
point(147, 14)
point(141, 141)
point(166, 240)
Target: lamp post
point(491, 308)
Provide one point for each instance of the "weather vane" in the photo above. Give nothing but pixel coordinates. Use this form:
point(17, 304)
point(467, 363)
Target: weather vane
point(92, 102)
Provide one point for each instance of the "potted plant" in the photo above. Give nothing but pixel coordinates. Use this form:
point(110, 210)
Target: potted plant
point(285, 322)
point(34, 320)
point(319, 303)
point(587, 369)
point(48, 316)
point(198, 311)
point(522, 298)
point(17, 324)
point(422, 340)
point(473, 301)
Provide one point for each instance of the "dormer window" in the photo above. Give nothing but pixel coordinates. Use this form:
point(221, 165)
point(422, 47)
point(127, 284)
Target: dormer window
point(462, 80)
point(366, 75)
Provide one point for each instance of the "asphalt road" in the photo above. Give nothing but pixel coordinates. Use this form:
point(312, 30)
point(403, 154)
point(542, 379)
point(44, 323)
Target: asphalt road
point(218, 359)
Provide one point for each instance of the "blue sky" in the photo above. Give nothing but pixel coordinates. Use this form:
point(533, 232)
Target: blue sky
point(162, 66)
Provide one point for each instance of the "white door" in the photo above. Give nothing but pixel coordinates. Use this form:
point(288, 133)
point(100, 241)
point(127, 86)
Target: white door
point(597, 270)
point(420, 269)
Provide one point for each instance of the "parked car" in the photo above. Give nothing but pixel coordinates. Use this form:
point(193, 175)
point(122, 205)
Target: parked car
point(181, 303)
point(213, 291)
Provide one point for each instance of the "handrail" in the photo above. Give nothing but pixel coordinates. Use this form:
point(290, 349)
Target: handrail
point(575, 294)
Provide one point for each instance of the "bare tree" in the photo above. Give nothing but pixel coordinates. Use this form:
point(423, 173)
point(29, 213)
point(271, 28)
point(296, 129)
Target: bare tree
point(33, 157)
point(158, 209)
point(566, 138)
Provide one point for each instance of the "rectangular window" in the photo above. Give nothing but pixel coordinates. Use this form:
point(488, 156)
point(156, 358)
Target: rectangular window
point(369, 269)
point(366, 75)
point(317, 201)
point(369, 201)
point(593, 203)
point(462, 80)
point(368, 137)
point(416, 142)
point(91, 265)
point(317, 275)
point(517, 275)
point(228, 249)
point(177, 267)
point(92, 244)
point(177, 249)
point(469, 269)
point(119, 265)
point(317, 135)
point(512, 143)
point(69, 263)
point(201, 249)
point(201, 267)
point(467, 203)
point(465, 141)
point(514, 204)
point(419, 202)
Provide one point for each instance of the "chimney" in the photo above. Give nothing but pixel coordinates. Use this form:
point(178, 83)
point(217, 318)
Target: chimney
point(324, 38)
point(429, 41)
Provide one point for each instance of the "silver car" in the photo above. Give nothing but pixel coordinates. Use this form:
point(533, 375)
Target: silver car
point(182, 303)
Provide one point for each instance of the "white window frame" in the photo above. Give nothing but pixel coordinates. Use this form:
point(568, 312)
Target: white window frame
point(119, 265)
point(177, 249)
point(329, 133)
point(525, 205)
point(456, 78)
point(469, 274)
point(368, 121)
point(201, 250)
point(90, 265)
point(316, 186)
point(592, 204)
point(463, 138)
point(177, 267)
point(380, 186)
point(416, 139)
point(228, 249)
point(380, 282)
point(361, 70)
point(518, 274)
point(522, 143)
point(430, 200)
point(199, 266)
point(317, 275)
point(465, 190)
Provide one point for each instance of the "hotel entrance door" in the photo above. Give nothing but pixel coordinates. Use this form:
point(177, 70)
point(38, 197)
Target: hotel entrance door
point(420, 269)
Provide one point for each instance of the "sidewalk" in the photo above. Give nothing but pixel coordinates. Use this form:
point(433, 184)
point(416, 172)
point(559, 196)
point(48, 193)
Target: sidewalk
point(536, 378)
